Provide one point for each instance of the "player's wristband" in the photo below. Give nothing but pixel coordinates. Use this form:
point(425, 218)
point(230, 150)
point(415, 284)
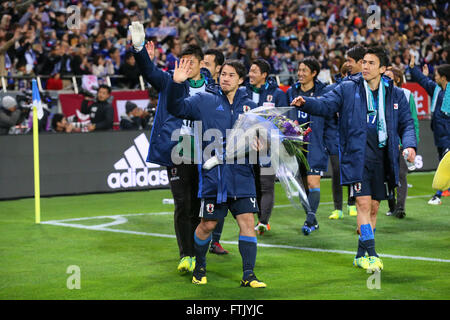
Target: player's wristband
point(139, 48)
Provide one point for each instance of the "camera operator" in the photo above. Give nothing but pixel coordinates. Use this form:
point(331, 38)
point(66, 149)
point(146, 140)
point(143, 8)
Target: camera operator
point(153, 96)
point(10, 114)
point(60, 124)
point(134, 119)
point(101, 111)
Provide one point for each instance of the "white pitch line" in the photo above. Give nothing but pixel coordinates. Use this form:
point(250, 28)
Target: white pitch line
point(331, 202)
point(119, 219)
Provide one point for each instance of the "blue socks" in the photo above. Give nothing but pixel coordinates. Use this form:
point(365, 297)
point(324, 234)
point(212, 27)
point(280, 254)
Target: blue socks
point(201, 248)
point(314, 199)
point(366, 242)
point(361, 252)
point(217, 233)
point(247, 249)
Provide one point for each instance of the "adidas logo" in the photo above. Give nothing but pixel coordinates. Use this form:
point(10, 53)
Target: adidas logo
point(220, 108)
point(134, 172)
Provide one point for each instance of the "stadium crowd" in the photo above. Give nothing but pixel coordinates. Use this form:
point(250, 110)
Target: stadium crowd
point(36, 37)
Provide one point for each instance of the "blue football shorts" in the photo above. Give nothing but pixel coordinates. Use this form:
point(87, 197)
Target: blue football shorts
point(374, 182)
point(209, 209)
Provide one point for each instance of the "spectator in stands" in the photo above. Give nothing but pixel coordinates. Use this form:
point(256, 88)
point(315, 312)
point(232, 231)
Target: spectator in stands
point(175, 50)
point(130, 70)
point(114, 55)
point(238, 29)
point(102, 67)
point(222, 39)
point(80, 64)
point(100, 111)
point(23, 71)
point(204, 40)
point(53, 62)
point(60, 23)
point(5, 44)
point(55, 82)
point(10, 114)
point(124, 21)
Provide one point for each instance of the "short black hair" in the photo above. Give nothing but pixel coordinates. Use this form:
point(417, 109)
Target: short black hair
point(219, 58)
point(128, 55)
point(381, 54)
point(357, 52)
point(444, 71)
point(193, 50)
point(263, 66)
point(104, 86)
point(112, 50)
point(312, 63)
point(97, 57)
point(57, 117)
point(237, 65)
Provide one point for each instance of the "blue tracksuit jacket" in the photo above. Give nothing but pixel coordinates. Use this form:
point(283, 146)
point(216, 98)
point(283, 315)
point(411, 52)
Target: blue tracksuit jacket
point(349, 99)
point(215, 112)
point(317, 153)
point(270, 93)
point(165, 123)
point(440, 122)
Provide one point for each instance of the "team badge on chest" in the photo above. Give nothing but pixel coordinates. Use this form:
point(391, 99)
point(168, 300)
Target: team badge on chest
point(246, 108)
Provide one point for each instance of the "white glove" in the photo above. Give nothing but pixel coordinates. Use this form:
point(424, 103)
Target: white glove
point(137, 35)
point(211, 163)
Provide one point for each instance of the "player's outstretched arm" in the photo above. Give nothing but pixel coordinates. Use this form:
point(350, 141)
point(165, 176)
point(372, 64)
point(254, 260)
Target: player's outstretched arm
point(185, 108)
point(324, 106)
point(417, 76)
point(152, 74)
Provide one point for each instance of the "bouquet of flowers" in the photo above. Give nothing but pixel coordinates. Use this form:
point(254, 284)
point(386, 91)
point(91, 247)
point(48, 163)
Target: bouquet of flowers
point(265, 132)
point(293, 136)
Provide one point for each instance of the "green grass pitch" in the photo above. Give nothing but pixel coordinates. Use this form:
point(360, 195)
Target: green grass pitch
point(134, 254)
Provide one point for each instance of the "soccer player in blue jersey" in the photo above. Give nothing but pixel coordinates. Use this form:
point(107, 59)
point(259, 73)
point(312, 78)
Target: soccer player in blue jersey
point(183, 175)
point(374, 114)
point(308, 85)
point(227, 186)
point(353, 65)
point(213, 60)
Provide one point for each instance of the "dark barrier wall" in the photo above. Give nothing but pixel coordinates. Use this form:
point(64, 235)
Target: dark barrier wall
point(78, 163)
point(106, 161)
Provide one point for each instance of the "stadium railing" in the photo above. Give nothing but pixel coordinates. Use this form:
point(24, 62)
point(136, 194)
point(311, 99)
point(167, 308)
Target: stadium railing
point(73, 78)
